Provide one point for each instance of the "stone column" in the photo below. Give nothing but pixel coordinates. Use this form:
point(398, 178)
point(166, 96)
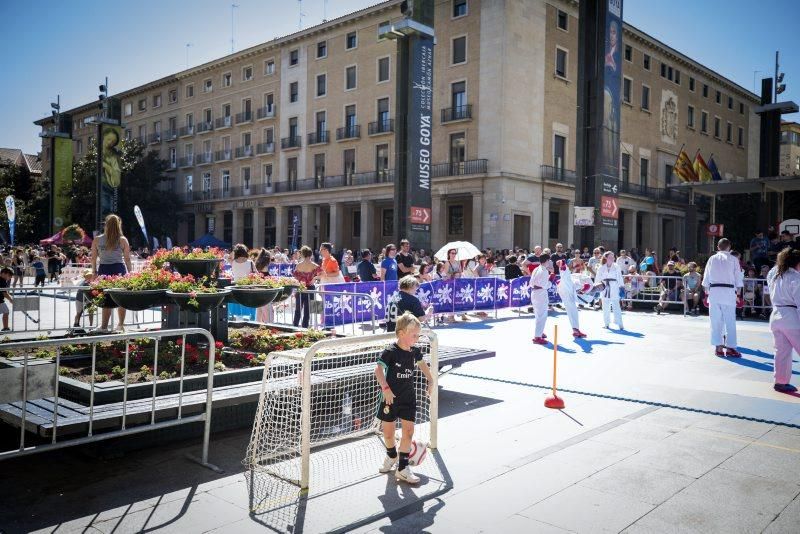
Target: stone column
point(281, 239)
point(200, 222)
point(307, 220)
point(258, 227)
point(238, 226)
point(335, 231)
point(367, 224)
point(544, 239)
point(629, 230)
point(219, 224)
point(438, 222)
point(477, 220)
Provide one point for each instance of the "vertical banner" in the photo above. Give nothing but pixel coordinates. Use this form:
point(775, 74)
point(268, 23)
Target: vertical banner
point(109, 166)
point(11, 212)
point(608, 156)
point(140, 219)
point(61, 181)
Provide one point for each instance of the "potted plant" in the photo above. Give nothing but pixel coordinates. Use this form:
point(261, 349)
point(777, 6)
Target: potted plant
point(256, 290)
point(99, 286)
point(289, 284)
point(195, 262)
point(196, 295)
point(142, 290)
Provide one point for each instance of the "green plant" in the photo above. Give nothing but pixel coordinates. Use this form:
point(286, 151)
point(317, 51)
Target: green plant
point(176, 254)
point(257, 279)
point(219, 367)
point(145, 370)
point(67, 371)
point(187, 284)
point(117, 372)
point(45, 354)
point(100, 377)
point(148, 279)
point(163, 375)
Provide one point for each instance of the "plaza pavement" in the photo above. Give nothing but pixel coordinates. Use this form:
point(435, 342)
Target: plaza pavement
point(658, 435)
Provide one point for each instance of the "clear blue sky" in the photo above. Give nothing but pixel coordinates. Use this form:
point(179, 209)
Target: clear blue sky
point(51, 47)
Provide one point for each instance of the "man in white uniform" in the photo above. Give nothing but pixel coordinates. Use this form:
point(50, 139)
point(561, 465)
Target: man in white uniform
point(566, 290)
point(610, 276)
point(722, 279)
point(784, 288)
point(540, 283)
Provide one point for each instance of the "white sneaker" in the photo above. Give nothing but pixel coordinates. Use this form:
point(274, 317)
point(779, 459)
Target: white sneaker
point(388, 464)
point(406, 475)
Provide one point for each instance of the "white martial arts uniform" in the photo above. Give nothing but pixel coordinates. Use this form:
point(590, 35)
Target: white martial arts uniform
point(611, 277)
point(785, 321)
point(721, 279)
point(540, 278)
point(566, 290)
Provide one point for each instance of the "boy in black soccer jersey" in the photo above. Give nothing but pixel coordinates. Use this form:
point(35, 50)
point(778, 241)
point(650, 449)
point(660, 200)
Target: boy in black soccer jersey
point(395, 373)
point(407, 302)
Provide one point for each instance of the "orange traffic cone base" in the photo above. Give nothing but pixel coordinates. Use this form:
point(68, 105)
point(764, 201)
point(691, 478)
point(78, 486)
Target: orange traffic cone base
point(554, 401)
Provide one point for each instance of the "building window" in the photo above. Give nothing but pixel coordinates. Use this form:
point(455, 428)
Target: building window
point(730, 102)
point(626, 90)
point(291, 169)
point(741, 108)
point(349, 162)
point(157, 100)
point(704, 122)
point(553, 217)
point(79, 146)
point(690, 117)
point(350, 118)
point(350, 78)
point(458, 96)
point(322, 49)
point(128, 109)
point(267, 175)
point(269, 67)
point(663, 70)
point(382, 160)
point(625, 168)
point(729, 132)
point(645, 98)
point(644, 169)
point(294, 57)
point(797, 164)
point(561, 62)
point(293, 127)
point(351, 41)
point(207, 118)
point(246, 178)
point(677, 76)
point(294, 91)
point(458, 148)
point(173, 157)
point(740, 140)
point(319, 166)
point(226, 181)
point(227, 79)
point(387, 222)
point(705, 91)
point(383, 113)
point(717, 127)
point(459, 8)
point(172, 96)
point(208, 86)
point(455, 219)
point(562, 20)
point(691, 84)
point(719, 97)
point(646, 62)
point(383, 69)
point(322, 84)
point(459, 55)
point(247, 74)
point(321, 124)
point(628, 53)
point(559, 151)
point(668, 173)
point(142, 104)
point(190, 90)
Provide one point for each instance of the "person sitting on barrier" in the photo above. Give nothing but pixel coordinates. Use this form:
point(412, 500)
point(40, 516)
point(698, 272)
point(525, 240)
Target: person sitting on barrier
point(5, 281)
point(395, 374)
point(634, 283)
point(81, 298)
point(693, 288)
point(407, 301)
point(669, 285)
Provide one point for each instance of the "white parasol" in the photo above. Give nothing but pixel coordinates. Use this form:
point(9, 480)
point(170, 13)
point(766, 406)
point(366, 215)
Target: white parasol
point(464, 251)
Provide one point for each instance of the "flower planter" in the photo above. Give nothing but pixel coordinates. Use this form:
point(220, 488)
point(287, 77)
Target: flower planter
point(196, 268)
point(137, 300)
point(205, 301)
point(285, 294)
point(254, 296)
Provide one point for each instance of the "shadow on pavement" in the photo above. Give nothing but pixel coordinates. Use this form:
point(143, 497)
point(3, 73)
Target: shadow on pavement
point(586, 345)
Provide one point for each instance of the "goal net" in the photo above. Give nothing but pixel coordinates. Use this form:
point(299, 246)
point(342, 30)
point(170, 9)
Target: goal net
point(314, 399)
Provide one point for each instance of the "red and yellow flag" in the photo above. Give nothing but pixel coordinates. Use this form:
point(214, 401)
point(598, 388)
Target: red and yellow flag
point(683, 168)
point(701, 169)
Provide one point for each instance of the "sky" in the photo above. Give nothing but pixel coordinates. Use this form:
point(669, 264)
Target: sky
point(52, 47)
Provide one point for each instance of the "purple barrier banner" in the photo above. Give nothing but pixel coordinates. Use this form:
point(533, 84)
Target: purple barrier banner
point(464, 298)
point(485, 292)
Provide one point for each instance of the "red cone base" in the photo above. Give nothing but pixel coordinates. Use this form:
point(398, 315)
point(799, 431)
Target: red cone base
point(554, 401)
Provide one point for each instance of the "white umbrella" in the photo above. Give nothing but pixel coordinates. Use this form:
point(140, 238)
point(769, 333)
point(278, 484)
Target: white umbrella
point(464, 251)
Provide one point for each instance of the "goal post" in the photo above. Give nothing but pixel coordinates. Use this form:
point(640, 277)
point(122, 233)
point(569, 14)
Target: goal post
point(319, 397)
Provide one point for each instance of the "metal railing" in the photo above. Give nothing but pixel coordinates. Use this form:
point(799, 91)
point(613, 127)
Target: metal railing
point(170, 135)
point(186, 131)
point(244, 151)
point(458, 113)
point(244, 116)
point(154, 138)
point(291, 142)
point(223, 155)
point(460, 168)
point(267, 112)
point(557, 174)
point(265, 148)
point(380, 127)
point(27, 346)
point(204, 127)
point(348, 132)
point(205, 158)
point(318, 137)
point(284, 312)
point(186, 161)
point(223, 122)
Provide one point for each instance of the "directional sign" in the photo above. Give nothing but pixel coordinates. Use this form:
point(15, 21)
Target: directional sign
point(608, 207)
point(420, 215)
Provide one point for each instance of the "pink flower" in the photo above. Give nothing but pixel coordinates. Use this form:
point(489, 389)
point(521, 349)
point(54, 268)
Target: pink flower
point(193, 294)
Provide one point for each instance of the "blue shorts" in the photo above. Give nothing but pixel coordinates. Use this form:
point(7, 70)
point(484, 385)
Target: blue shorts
point(111, 269)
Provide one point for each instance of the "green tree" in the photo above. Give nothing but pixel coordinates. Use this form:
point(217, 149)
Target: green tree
point(31, 201)
point(144, 183)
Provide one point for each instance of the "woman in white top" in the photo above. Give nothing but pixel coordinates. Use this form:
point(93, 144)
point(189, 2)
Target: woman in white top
point(784, 289)
point(241, 265)
point(610, 276)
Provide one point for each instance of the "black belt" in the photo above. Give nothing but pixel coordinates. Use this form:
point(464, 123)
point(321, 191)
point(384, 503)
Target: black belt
point(537, 287)
point(786, 306)
point(722, 285)
point(612, 279)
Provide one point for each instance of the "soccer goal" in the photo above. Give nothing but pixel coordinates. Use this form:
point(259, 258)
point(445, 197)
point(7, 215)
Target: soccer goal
point(314, 399)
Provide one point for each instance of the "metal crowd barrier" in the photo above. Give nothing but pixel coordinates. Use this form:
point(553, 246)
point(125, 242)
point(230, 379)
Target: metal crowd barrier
point(32, 385)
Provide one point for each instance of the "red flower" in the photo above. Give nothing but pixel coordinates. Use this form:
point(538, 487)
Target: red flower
point(298, 335)
point(279, 347)
point(179, 342)
point(248, 357)
point(218, 344)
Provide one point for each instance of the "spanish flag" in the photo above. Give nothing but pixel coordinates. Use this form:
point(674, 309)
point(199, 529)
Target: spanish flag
point(700, 168)
point(683, 168)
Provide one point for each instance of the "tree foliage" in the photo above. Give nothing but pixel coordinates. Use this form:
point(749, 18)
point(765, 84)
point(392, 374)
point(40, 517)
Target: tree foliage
point(144, 183)
point(31, 200)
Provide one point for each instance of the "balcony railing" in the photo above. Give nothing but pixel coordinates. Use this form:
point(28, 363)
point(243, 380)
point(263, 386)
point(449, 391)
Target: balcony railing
point(205, 127)
point(244, 116)
point(223, 155)
point(205, 158)
point(381, 127)
point(348, 132)
point(265, 148)
point(154, 138)
point(291, 142)
point(170, 135)
point(318, 137)
point(172, 165)
point(244, 151)
point(186, 131)
point(460, 168)
point(223, 122)
point(267, 112)
point(458, 113)
point(558, 174)
point(186, 161)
